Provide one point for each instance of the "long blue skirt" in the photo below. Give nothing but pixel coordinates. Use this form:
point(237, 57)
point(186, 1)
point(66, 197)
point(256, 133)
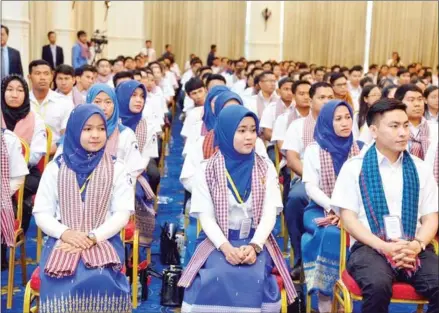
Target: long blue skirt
point(320, 251)
point(222, 287)
point(88, 290)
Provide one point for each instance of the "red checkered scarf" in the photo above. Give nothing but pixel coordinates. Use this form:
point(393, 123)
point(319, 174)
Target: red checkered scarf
point(112, 143)
point(204, 130)
point(84, 216)
point(436, 165)
point(419, 144)
point(25, 127)
point(7, 210)
point(217, 183)
point(260, 102)
point(292, 116)
point(327, 173)
point(280, 108)
point(308, 130)
point(141, 132)
point(208, 148)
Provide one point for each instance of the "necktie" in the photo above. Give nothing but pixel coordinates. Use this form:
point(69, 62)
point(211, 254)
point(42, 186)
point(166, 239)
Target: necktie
point(3, 63)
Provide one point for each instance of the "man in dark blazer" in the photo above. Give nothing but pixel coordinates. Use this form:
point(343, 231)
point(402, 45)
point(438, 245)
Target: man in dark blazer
point(52, 53)
point(10, 57)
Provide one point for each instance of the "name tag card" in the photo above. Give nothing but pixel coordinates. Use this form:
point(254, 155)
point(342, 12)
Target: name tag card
point(393, 227)
point(246, 225)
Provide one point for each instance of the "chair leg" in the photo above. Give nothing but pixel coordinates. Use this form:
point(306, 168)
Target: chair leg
point(148, 255)
point(284, 302)
point(39, 244)
point(308, 303)
point(135, 267)
point(420, 308)
point(11, 277)
point(23, 261)
point(27, 298)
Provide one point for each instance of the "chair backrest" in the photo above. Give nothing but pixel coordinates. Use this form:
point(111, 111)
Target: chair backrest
point(276, 158)
point(344, 248)
point(45, 159)
point(20, 192)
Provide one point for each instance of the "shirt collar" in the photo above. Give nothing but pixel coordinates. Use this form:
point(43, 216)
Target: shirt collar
point(383, 160)
point(49, 97)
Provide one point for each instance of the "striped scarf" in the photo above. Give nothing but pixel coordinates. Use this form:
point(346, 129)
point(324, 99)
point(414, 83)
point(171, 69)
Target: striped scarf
point(217, 183)
point(375, 203)
point(419, 144)
point(24, 128)
point(141, 134)
point(260, 102)
point(327, 173)
point(292, 116)
point(84, 216)
point(112, 143)
point(308, 130)
point(7, 210)
point(282, 108)
point(208, 145)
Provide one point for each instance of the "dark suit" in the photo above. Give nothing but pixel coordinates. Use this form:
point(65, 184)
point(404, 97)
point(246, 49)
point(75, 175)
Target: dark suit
point(15, 66)
point(47, 56)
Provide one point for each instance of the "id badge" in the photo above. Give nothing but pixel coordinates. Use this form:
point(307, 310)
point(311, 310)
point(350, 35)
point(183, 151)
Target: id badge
point(246, 225)
point(393, 227)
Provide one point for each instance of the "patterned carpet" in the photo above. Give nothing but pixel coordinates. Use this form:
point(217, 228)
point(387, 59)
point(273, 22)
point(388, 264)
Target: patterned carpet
point(169, 210)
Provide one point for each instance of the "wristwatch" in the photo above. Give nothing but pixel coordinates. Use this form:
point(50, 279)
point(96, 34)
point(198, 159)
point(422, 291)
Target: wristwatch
point(256, 247)
point(91, 235)
point(421, 243)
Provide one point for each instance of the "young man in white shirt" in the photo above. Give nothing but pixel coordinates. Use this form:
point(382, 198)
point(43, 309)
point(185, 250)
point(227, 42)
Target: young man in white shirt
point(64, 80)
point(195, 90)
point(420, 129)
point(85, 78)
point(104, 76)
point(355, 74)
point(387, 201)
point(53, 108)
point(294, 147)
point(267, 94)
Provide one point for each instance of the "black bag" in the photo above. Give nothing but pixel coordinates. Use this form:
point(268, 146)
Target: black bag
point(171, 295)
point(144, 275)
point(168, 245)
point(299, 305)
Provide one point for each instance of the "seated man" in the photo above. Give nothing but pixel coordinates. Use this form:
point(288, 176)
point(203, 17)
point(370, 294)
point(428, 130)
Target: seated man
point(388, 202)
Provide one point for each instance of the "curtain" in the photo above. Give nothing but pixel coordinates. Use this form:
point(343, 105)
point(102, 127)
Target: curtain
point(325, 32)
point(40, 17)
point(192, 26)
point(410, 28)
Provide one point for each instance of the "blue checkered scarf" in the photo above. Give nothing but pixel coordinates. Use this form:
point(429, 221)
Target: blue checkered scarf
point(374, 199)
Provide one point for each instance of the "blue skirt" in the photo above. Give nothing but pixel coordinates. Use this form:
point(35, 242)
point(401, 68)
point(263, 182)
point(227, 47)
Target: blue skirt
point(320, 252)
point(88, 290)
point(222, 287)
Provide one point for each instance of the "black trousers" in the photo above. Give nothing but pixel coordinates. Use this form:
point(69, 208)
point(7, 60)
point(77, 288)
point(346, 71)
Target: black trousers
point(31, 184)
point(375, 276)
point(153, 173)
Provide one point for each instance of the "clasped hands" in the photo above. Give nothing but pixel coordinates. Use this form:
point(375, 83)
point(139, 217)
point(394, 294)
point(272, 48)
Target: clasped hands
point(74, 241)
point(403, 252)
point(242, 255)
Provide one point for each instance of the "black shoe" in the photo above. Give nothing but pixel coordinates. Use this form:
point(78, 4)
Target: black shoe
point(296, 272)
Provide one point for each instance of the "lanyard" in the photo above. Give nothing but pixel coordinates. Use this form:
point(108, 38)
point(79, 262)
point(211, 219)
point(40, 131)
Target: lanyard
point(85, 184)
point(235, 190)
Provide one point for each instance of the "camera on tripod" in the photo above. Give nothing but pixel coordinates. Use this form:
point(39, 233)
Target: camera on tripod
point(99, 39)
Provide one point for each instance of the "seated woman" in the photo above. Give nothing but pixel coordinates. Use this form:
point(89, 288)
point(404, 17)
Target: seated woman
point(323, 159)
point(369, 95)
point(17, 117)
point(203, 148)
point(231, 270)
point(131, 96)
point(121, 140)
point(13, 172)
point(84, 200)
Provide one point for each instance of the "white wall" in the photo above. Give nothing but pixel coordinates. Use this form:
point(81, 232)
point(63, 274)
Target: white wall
point(264, 43)
point(126, 29)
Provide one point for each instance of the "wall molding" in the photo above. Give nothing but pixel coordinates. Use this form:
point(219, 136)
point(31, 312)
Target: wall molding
point(15, 21)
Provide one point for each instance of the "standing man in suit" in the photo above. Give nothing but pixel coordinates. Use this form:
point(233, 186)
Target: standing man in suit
point(52, 53)
point(10, 57)
point(80, 51)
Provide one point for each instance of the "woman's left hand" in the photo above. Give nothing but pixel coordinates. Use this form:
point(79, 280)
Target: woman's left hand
point(66, 247)
point(249, 254)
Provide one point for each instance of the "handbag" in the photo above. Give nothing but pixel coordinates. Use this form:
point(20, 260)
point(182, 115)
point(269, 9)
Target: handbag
point(299, 304)
point(169, 254)
point(171, 294)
